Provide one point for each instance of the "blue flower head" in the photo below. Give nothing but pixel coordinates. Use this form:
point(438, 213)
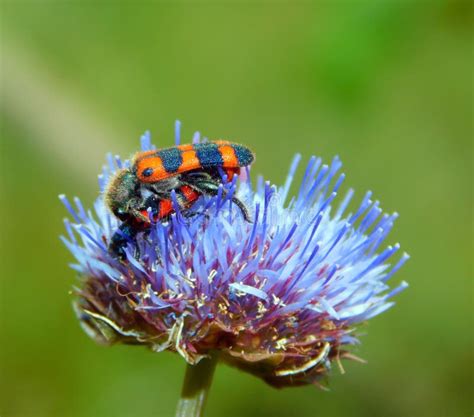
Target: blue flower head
point(280, 297)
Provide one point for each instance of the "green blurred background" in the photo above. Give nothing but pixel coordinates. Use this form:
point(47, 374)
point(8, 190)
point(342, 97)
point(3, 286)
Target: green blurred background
point(387, 85)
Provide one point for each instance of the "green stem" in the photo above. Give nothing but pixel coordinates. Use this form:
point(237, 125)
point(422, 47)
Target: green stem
point(197, 382)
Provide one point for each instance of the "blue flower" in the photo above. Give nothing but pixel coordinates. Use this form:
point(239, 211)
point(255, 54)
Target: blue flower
point(280, 297)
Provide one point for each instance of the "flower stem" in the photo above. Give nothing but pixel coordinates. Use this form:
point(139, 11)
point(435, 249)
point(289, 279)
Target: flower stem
point(197, 382)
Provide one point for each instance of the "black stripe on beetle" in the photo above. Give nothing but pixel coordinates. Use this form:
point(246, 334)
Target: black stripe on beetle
point(208, 155)
point(171, 158)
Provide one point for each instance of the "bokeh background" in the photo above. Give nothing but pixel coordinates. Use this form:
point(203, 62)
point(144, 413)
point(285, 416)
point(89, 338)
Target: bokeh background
point(387, 85)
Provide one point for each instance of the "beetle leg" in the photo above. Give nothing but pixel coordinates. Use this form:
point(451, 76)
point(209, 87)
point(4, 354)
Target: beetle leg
point(212, 188)
point(191, 214)
point(134, 206)
point(125, 233)
point(243, 208)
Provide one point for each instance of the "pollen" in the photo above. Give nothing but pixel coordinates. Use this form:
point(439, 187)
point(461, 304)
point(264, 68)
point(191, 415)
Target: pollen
point(281, 344)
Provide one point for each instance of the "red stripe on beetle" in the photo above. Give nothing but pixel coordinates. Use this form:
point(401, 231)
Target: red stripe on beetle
point(166, 206)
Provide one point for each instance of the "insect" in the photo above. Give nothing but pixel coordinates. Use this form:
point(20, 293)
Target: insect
point(160, 209)
point(190, 170)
